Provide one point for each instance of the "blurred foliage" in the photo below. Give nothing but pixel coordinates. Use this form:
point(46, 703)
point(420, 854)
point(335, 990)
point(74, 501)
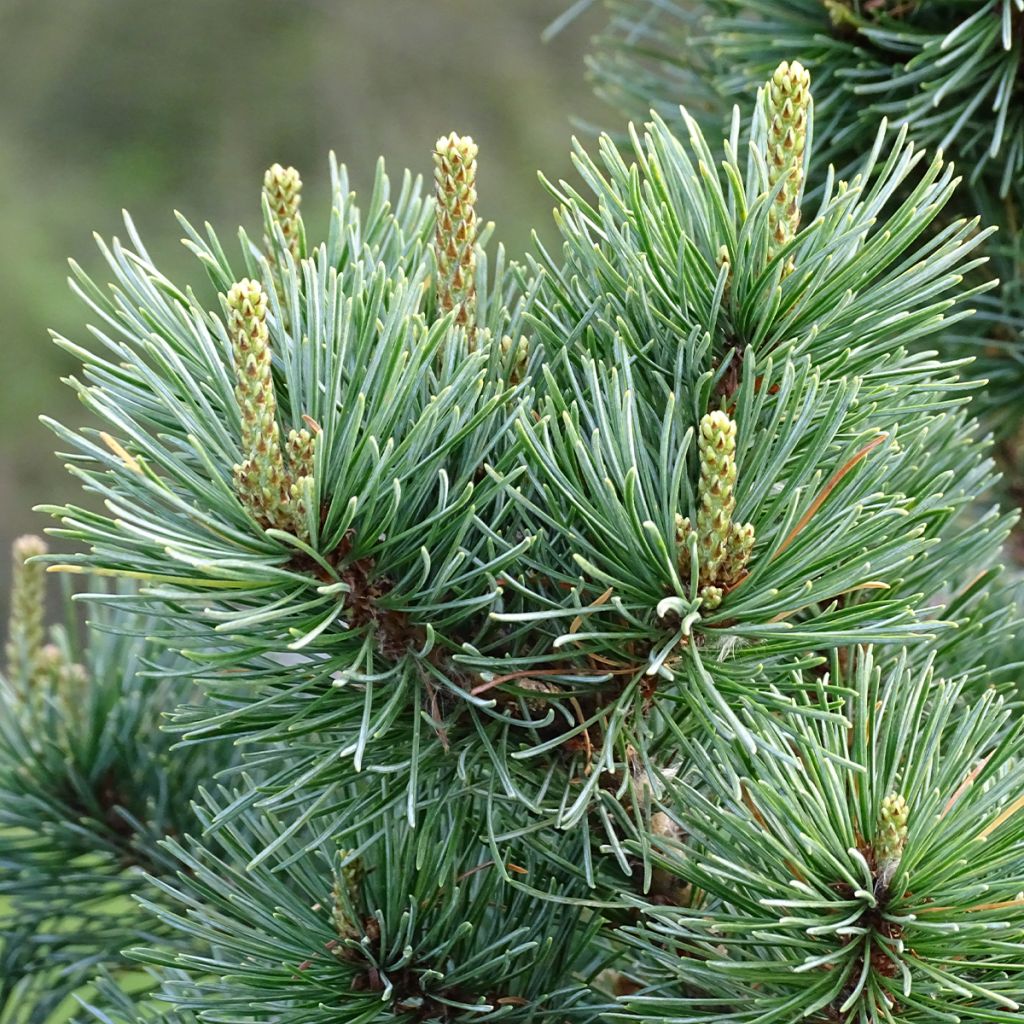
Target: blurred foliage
point(155, 107)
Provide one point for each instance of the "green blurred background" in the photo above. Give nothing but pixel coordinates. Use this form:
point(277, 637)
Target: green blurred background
point(156, 106)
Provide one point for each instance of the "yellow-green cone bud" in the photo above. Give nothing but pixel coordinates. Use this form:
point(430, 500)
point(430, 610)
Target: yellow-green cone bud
point(723, 546)
point(273, 493)
point(516, 355)
point(682, 529)
point(60, 676)
point(891, 836)
point(737, 553)
point(301, 453)
point(787, 104)
point(254, 389)
point(455, 228)
point(717, 445)
point(283, 188)
point(28, 600)
point(841, 14)
point(301, 449)
point(346, 902)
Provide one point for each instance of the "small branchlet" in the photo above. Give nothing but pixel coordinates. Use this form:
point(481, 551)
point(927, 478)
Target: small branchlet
point(283, 188)
point(891, 836)
point(787, 104)
point(723, 546)
point(275, 493)
point(28, 599)
point(455, 231)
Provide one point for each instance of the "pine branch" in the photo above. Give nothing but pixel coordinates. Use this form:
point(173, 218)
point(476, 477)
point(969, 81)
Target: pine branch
point(400, 925)
point(88, 789)
point(833, 870)
point(950, 70)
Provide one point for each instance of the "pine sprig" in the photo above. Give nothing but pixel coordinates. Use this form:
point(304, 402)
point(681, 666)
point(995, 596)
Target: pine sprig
point(88, 789)
point(950, 69)
point(317, 477)
point(460, 587)
point(811, 891)
point(837, 425)
point(400, 925)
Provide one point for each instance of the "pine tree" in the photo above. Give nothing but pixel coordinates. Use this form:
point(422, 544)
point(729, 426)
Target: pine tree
point(616, 635)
